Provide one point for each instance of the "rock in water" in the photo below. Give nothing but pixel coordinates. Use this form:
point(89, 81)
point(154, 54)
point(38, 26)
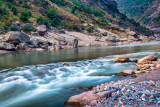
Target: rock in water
point(148, 59)
point(7, 46)
point(128, 72)
point(122, 59)
point(75, 43)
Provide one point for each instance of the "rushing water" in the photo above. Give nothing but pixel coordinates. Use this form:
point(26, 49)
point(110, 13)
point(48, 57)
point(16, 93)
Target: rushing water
point(48, 79)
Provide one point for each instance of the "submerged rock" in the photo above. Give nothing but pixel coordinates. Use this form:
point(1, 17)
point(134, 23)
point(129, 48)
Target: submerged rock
point(122, 59)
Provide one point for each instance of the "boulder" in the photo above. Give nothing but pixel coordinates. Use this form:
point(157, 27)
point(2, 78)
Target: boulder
point(34, 34)
point(62, 31)
point(7, 46)
point(148, 59)
point(16, 38)
point(82, 99)
point(12, 37)
point(122, 59)
point(24, 46)
point(42, 30)
point(23, 37)
point(75, 44)
point(128, 72)
point(35, 43)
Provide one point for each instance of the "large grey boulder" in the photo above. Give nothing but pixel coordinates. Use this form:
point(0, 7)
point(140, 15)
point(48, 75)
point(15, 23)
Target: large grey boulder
point(7, 46)
point(23, 37)
point(16, 38)
point(42, 30)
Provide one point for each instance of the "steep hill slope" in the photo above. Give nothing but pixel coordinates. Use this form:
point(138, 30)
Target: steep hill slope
point(68, 14)
point(147, 12)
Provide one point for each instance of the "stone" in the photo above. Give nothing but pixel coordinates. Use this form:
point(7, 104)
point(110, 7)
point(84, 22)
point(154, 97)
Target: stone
point(16, 37)
point(106, 93)
point(34, 34)
point(7, 46)
point(122, 59)
point(23, 37)
point(12, 37)
point(23, 46)
point(42, 30)
point(147, 93)
point(75, 44)
point(93, 103)
point(148, 59)
point(82, 99)
point(35, 43)
point(128, 72)
point(62, 31)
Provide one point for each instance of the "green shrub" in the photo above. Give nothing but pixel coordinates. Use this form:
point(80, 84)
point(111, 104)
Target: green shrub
point(26, 5)
point(14, 10)
point(13, 28)
point(41, 21)
point(59, 2)
point(51, 14)
point(29, 29)
point(90, 29)
point(25, 15)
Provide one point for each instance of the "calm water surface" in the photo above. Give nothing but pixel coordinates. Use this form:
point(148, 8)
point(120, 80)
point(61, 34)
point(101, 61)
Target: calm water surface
point(48, 79)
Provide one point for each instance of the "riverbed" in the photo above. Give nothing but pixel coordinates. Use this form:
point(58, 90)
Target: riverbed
point(48, 79)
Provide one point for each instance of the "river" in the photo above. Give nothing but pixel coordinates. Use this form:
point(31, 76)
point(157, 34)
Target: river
point(48, 79)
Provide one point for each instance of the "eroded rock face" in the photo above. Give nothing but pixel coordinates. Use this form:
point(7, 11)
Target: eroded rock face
point(7, 46)
point(122, 59)
point(148, 59)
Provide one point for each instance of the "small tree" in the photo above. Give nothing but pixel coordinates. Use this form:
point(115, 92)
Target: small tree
point(25, 15)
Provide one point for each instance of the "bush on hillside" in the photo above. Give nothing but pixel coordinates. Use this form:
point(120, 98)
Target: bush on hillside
point(25, 15)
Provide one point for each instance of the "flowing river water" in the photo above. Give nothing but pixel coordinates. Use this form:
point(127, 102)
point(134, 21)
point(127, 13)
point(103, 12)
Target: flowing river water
point(48, 79)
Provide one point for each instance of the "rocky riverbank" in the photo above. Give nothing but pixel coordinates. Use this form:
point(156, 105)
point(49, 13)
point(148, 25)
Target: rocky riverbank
point(141, 91)
point(53, 39)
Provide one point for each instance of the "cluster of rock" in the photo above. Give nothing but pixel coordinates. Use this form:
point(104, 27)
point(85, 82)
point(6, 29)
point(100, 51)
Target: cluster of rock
point(32, 41)
point(141, 91)
point(120, 93)
point(144, 65)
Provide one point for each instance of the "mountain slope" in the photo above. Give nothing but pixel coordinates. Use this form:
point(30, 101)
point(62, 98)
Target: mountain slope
point(147, 12)
point(68, 14)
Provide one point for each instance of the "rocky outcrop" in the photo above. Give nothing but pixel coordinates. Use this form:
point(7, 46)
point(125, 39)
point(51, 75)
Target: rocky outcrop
point(122, 59)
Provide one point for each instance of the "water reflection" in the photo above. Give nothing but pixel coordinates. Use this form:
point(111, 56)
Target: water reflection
point(71, 55)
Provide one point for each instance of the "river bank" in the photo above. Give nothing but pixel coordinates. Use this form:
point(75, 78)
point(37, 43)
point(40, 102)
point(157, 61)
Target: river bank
point(141, 91)
point(53, 39)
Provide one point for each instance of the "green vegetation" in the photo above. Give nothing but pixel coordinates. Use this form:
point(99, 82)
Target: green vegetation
point(25, 15)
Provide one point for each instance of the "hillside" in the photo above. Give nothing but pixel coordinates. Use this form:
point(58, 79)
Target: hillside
point(147, 12)
point(67, 14)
